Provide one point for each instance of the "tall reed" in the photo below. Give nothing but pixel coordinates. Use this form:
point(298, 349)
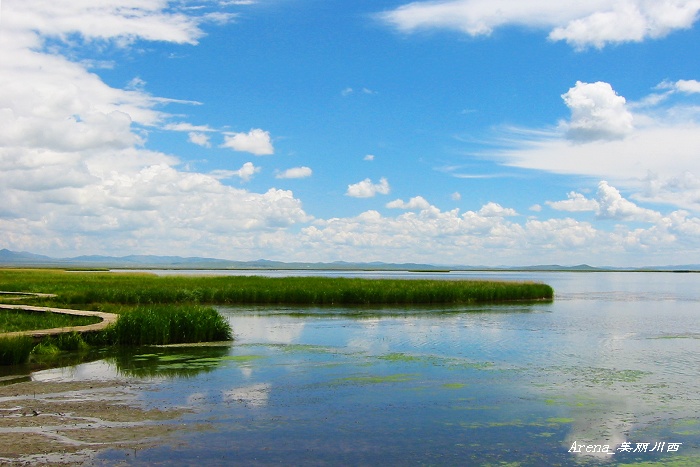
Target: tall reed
point(100, 290)
point(160, 325)
point(15, 350)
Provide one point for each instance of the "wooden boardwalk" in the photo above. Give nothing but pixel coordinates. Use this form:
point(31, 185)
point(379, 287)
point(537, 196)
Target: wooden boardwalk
point(107, 319)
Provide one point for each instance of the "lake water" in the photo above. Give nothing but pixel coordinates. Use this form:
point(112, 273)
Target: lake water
point(613, 361)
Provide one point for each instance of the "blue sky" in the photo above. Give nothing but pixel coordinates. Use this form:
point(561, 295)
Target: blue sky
point(472, 132)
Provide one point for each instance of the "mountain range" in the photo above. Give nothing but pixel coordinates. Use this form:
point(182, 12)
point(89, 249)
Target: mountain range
point(25, 259)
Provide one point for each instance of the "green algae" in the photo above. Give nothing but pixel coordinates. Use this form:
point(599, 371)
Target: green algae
point(378, 379)
point(241, 358)
point(453, 385)
point(560, 420)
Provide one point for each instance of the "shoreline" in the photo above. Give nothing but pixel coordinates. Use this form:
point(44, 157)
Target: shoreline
point(64, 423)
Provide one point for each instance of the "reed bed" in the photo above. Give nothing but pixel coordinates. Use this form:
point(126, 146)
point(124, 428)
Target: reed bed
point(105, 289)
point(163, 325)
point(158, 310)
point(15, 350)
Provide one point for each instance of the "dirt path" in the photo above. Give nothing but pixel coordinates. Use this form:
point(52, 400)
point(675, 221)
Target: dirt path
point(107, 319)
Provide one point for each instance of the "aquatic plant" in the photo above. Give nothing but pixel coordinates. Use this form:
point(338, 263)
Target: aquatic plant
point(161, 325)
point(15, 350)
point(100, 290)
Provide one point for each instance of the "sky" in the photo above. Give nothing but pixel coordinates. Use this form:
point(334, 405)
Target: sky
point(451, 132)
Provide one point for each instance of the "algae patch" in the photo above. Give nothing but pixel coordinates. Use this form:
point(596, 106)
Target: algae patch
point(378, 379)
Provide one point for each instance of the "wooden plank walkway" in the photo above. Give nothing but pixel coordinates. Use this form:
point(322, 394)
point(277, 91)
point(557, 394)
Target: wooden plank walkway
point(107, 319)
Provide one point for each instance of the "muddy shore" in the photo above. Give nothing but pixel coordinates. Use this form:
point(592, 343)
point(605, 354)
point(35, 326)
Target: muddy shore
point(67, 423)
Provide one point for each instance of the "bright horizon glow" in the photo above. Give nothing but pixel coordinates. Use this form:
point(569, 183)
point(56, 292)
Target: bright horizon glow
point(428, 132)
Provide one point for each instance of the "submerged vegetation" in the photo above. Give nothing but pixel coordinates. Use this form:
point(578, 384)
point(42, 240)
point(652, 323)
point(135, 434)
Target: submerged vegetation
point(157, 310)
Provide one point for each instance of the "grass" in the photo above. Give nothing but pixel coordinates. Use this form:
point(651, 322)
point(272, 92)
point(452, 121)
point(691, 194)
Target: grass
point(22, 320)
point(109, 290)
point(23, 349)
point(15, 350)
point(174, 309)
point(163, 325)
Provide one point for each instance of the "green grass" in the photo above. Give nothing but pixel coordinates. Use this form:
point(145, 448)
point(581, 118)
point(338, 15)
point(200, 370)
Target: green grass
point(109, 290)
point(22, 320)
point(162, 325)
point(174, 309)
point(15, 350)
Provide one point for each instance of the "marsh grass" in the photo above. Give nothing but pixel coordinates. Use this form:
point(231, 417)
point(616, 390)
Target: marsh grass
point(173, 309)
point(163, 325)
point(23, 320)
point(15, 350)
point(107, 291)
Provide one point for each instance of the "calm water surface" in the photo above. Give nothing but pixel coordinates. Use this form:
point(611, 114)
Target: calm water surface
point(613, 359)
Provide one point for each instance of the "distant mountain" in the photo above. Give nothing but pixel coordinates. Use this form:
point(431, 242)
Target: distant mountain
point(12, 258)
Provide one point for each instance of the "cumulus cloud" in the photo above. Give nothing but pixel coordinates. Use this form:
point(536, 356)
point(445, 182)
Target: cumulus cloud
point(597, 112)
point(575, 202)
point(200, 139)
point(496, 210)
point(415, 203)
point(609, 204)
point(295, 172)
point(245, 173)
point(687, 86)
point(75, 175)
point(256, 141)
point(367, 189)
point(594, 23)
point(648, 147)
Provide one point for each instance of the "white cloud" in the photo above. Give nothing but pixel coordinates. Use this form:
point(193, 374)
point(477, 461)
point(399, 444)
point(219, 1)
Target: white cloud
point(245, 173)
point(184, 126)
point(256, 141)
point(369, 157)
point(108, 19)
point(489, 236)
point(613, 206)
point(597, 112)
point(594, 23)
point(688, 86)
point(75, 176)
point(295, 172)
point(415, 203)
point(496, 210)
point(200, 139)
point(367, 189)
point(576, 202)
point(456, 196)
point(609, 204)
point(656, 159)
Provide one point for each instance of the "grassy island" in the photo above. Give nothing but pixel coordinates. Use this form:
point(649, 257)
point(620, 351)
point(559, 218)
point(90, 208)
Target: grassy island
point(111, 291)
point(177, 309)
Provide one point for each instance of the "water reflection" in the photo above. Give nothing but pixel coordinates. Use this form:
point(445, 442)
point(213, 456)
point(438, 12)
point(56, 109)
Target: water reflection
point(614, 358)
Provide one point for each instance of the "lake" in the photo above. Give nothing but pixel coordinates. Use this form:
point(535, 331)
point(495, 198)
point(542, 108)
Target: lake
point(607, 373)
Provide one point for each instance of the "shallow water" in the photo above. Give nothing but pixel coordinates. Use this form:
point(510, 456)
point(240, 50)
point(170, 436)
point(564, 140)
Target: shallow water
point(613, 359)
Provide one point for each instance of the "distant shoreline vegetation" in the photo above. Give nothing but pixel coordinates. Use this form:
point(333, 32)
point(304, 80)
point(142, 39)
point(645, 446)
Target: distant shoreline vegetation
point(108, 291)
